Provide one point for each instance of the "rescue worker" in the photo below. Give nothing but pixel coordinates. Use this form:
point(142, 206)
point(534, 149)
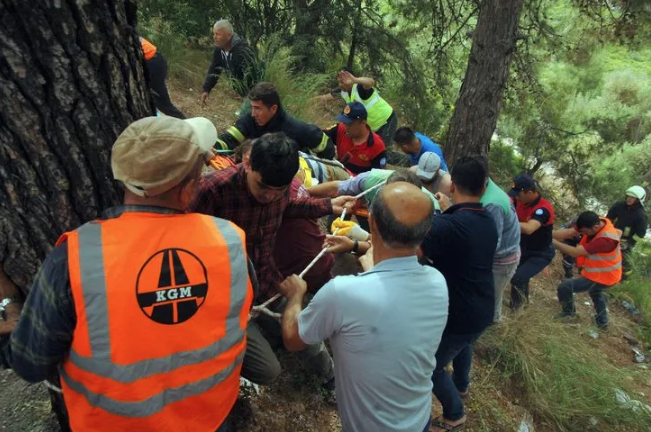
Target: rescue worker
point(233, 56)
point(629, 217)
point(381, 117)
point(598, 255)
point(156, 70)
point(536, 216)
point(430, 173)
point(268, 116)
point(143, 311)
point(358, 147)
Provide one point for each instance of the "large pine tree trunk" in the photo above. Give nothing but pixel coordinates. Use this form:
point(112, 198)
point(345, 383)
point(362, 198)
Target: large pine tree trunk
point(71, 79)
point(478, 107)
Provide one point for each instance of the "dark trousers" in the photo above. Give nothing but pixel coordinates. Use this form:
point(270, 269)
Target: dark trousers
point(156, 69)
point(531, 263)
point(458, 350)
point(264, 335)
point(568, 288)
point(388, 130)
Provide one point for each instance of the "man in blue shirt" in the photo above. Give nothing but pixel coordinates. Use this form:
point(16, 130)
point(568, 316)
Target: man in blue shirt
point(461, 244)
point(415, 144)
point(384, 324)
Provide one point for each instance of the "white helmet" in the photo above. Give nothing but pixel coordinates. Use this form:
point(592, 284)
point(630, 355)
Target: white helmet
point(636, 192)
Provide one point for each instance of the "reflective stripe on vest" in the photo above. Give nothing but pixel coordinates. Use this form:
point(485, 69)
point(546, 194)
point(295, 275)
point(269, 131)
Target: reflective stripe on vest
point(235, 133)
point(113, 378)
point(377, 109)
point(603, 268)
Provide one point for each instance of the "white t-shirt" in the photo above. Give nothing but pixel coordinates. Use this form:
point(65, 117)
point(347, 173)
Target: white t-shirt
point(384, 326)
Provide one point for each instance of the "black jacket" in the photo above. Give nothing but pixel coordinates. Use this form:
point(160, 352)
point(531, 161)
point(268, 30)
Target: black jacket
point(631, 220)
point(308, 136)
point(240, 63)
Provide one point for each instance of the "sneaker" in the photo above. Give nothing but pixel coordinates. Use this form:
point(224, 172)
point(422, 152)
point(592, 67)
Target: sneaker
point(569, 273)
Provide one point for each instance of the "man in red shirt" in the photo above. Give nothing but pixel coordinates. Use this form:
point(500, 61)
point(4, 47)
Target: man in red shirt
point(255, 196)
point(536, 216)
point(600, 256)
point(358, 147)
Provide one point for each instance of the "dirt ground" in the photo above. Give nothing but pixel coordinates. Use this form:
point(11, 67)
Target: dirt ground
point(295, 402)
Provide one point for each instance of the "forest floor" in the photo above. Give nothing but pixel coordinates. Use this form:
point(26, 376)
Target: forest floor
point(294, 403)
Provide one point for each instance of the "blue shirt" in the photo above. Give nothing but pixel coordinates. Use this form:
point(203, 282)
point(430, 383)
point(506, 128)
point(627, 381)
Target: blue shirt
point(427, 145)
point(461, 244)
point(384, 327)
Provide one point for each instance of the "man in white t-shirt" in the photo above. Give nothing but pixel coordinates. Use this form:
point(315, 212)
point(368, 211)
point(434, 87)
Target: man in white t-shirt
point(384, 325)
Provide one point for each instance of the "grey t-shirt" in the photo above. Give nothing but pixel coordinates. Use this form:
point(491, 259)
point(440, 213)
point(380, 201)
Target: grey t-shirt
point(384, 326)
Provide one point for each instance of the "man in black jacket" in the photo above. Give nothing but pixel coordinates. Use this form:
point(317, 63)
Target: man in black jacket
point(233, 55)
point(268, 116)
point(629, 217)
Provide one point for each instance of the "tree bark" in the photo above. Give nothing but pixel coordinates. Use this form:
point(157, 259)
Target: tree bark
point(477, 109)
point(71, 79)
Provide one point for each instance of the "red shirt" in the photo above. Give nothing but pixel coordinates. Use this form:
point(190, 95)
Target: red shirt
point(224, 194)
point(358, 158)
point(542, 211)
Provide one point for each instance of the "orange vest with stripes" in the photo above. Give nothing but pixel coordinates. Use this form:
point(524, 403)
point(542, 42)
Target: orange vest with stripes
point(162, 305)
point(603, 268)
point(148, 48)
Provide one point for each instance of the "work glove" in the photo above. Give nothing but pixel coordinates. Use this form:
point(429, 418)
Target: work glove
point(349, 229)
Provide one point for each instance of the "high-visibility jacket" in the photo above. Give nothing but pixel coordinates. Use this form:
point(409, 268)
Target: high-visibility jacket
point(603, 268)
point(148, 49)
point(377, 109)
point(162, 305)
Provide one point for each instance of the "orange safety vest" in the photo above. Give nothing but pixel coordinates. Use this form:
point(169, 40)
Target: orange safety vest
point(602, 268)
point(148, 48)
point(162, 306)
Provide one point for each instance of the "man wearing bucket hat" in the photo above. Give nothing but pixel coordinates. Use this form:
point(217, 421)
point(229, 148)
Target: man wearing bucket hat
point(144, 310)
point(629, 217)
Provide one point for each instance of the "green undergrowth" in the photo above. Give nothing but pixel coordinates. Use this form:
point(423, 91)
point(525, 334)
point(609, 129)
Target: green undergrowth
point(560, 378)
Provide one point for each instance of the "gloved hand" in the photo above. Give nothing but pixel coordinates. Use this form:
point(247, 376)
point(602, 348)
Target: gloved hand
point(349, 229)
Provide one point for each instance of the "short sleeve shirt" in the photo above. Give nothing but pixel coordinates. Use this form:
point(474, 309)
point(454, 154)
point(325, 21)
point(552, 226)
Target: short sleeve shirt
point(384, 357)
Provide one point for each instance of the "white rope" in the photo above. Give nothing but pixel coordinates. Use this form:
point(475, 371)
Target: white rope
point(262, 308)
point(52, 387)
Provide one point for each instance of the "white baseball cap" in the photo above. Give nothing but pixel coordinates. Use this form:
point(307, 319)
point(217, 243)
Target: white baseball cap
point(428, 164)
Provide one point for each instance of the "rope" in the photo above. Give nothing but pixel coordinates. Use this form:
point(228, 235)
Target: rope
point(262, 308)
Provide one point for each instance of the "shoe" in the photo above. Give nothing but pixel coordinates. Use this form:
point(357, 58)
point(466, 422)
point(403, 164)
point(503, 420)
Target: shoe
point(569, 273)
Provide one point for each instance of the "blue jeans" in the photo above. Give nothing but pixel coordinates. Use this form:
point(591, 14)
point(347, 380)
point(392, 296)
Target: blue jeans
point(531, 263)
point(566, 292)
point(458, 350)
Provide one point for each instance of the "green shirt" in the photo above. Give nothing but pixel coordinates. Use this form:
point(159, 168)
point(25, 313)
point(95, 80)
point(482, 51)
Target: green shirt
point(377, 176)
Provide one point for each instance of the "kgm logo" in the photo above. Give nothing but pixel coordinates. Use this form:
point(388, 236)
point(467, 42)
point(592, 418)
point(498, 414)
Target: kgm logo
point(172, 285)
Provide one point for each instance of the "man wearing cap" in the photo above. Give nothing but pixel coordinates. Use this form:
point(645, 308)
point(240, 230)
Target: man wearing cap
point(430, 173)
point(144, 310)
point(415, 144)
point(629, 217)
point(358, 147)
point(536, 216)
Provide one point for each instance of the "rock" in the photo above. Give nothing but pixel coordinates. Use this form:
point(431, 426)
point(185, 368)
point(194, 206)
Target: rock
point(639, 355)
point(630, 339)
point(629, 403)
point(594, 334)
point(587, 303)
point(630, 307)
point(593, 423)
point(526, 425)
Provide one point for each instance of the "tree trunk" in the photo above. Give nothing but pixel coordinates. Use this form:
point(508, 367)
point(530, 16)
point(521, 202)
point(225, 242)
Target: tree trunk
point(71, 79)
point(477, 109)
